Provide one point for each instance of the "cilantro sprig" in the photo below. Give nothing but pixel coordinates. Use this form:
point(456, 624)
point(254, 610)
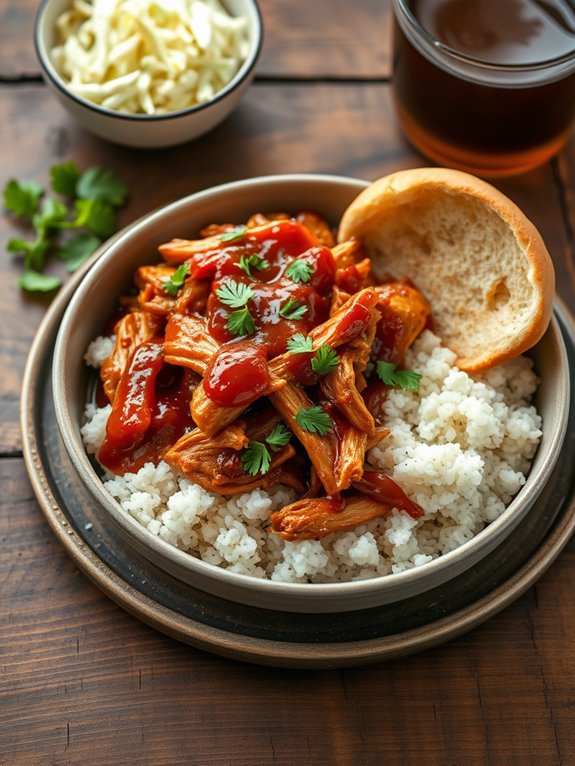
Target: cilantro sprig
point(314, 419)
point(293, 309)
point(256, 458)
point(174, 284)
point(299, 271)
point(388, 373)
point(249, 262)
point(300, 344)
point(233, 234)
point(324, 361)
point(236, 295)
point(90, 207)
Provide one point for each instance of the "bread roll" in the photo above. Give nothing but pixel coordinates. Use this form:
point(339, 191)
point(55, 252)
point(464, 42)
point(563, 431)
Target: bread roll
point(471, 251)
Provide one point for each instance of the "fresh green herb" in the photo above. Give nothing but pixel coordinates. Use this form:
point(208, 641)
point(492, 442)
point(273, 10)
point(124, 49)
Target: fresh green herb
point(300, 344)
point(388, 374)
point(256, 458)
point(279, 437)
point(299, 271)
point(247, 262)
point(78, 250)
point(92, 199)
point(22, 197)
point(293, 309)
point(324, 361)
point(234, 234)
point(234, 294)
point(315, 419)
point(174, 284)
point(241, 322)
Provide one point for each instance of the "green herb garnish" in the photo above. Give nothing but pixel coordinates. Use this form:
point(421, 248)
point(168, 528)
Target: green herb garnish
point(174, 284)
point(324, 361)
point(300, 344)
point(241, 322)
point(256, 457)
point(315, 419)
point(234, 294)
point(406, 379)
point(293, 309)
point(299, 271)
point(92, 199)
point(249, 262)
point(279, 437)
point(233, 234)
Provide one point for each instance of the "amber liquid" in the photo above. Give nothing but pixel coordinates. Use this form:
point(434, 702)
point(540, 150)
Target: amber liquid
point(487, 129)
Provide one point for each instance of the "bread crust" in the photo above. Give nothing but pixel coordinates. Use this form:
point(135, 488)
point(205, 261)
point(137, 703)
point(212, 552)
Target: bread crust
point(380, 215)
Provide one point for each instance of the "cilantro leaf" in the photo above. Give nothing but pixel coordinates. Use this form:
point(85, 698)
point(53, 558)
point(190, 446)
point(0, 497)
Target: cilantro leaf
point(279, 437)
point(51, 215)
point(97, 216)
point(22, 197)
point(174, 284)
point(324, 361)
point(293, 309)
point(34, 251)
point(233, 234)
point(234, 294)
point(406, 379)
point(241, 322)
point(247, 262)
point(256, 458)
point(299, 271)
point(64, 178)
point(300, 344)
point(77, 250)
point(314, 419)
point(34, 282)
point(103, 185)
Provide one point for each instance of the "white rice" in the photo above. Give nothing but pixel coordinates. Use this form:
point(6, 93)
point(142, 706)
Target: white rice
point(460, 447)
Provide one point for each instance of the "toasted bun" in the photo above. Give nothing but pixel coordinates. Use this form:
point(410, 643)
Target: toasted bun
point(471, 251)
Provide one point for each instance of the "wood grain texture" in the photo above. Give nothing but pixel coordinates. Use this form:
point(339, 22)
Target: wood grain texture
point(323, 38)
point(83, 682)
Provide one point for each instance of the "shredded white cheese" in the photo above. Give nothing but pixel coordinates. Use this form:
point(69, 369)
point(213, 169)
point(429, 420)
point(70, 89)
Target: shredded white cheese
point(149, 56)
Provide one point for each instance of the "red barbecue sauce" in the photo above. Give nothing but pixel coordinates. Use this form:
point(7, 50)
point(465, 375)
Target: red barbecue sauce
point(150, 410)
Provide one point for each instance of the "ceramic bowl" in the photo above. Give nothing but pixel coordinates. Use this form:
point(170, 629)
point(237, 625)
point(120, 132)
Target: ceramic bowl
point(148, 131)
point(95, 299)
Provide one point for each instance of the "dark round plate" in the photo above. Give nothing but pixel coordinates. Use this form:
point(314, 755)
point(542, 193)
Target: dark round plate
point(263, 636)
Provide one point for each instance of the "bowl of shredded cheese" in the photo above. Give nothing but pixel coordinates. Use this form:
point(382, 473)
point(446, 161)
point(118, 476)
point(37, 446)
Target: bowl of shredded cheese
point(148, 73)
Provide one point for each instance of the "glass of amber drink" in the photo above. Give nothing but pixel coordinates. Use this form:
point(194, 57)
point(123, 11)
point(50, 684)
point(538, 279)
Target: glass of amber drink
point(487, 86)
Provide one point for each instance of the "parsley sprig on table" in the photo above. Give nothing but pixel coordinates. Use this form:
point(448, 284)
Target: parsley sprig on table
point(89, 207)
point(391, 376)
point(236, 295)
point(256, 457)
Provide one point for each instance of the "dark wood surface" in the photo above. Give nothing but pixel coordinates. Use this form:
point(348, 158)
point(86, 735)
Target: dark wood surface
point(82, 681)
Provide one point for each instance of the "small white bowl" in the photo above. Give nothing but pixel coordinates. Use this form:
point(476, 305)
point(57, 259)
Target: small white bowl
point(148, 131)
point(96, 298)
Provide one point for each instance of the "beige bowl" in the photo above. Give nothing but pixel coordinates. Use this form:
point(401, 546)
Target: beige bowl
point(148, 131)
point(96, 298)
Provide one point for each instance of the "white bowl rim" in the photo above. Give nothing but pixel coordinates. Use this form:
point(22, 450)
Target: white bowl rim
point(237, 80)
point(382, 584)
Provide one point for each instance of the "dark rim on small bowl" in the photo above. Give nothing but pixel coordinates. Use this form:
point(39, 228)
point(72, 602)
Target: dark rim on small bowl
point(239, 78)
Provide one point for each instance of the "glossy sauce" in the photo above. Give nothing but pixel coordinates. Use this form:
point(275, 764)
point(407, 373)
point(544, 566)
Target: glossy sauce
point(237, 375)
point(151, 411)
point(486, 128)
point(385, 490)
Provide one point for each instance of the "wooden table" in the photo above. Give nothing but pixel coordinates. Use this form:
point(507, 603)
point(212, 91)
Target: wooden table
point(82, 681)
